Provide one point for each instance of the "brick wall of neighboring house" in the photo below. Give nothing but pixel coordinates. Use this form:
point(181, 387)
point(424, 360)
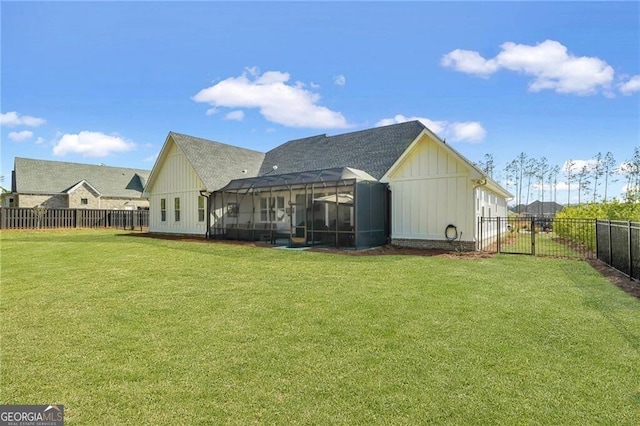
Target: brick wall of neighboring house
point(434, 244)
point(123, 203)
point(74, 201)
point(55, 201)
point(81, 193)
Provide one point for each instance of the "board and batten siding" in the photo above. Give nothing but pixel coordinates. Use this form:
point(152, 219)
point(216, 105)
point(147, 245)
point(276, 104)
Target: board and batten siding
point(430, 190)
point(176, 179)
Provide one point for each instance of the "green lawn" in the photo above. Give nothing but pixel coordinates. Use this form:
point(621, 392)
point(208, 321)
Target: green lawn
point(131, 330)
point(546, 244)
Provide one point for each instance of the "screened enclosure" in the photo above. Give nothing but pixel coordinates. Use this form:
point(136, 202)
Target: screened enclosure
point(339, 207)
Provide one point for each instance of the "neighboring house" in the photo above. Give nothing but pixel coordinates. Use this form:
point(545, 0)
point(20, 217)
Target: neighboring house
point(538, 208)
point(5, 197)
point(56, 184)
point(400, 184)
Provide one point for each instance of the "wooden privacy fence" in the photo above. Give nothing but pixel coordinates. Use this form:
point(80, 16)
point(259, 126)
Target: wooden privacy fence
point(616, 243)
point(40, 218)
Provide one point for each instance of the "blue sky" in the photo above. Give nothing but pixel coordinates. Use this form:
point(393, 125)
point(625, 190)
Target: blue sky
point(105, 82)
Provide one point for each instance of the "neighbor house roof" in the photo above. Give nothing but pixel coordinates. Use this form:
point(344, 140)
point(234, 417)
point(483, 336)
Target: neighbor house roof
point(538, 207)
point(372, 150)
point(53, 177)
point(215, 163)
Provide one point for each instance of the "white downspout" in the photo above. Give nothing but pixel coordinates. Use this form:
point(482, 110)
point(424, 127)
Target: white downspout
point(477, 183)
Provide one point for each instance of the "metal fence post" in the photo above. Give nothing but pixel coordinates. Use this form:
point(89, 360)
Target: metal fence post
point(595, 227)
point(610, 245)
point(533, 236)
point(498, 241)
point(629, 248)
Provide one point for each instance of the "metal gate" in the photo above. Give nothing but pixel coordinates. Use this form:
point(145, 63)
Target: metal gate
point(539, 236)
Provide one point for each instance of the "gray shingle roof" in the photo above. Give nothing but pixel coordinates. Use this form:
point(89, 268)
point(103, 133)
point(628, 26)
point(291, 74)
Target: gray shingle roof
point(53, 177)
point(372, 150)
point(298, 178)
point(217, 163)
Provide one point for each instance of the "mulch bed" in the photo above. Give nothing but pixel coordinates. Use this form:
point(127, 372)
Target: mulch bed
point(619, 279)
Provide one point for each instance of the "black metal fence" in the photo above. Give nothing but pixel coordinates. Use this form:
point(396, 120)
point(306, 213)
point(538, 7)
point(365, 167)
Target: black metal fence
point(618, 245)
point(42, 218)
point(538, 236)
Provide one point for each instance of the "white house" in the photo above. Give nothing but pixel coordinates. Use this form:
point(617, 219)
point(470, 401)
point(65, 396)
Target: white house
point(400, 184)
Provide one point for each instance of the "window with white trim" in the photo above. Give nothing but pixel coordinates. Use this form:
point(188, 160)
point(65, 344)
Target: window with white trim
point(176, 207)
point(272, 209)
point(201, 204)
point(163, 209)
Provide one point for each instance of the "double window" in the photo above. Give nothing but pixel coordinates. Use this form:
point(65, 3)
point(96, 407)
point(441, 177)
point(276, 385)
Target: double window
point(272, 209)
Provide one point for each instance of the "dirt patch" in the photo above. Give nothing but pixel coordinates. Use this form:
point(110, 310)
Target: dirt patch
point(401, 251)
point(617, 278)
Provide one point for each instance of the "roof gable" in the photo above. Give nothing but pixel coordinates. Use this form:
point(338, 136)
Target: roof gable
point(53, 177)
point(84, 183)
point(215, 163)
point(372, 150)
point(476, 174)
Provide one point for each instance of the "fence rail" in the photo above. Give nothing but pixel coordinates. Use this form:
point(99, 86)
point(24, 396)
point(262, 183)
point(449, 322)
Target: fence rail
point(617, 243)
point(39, 218)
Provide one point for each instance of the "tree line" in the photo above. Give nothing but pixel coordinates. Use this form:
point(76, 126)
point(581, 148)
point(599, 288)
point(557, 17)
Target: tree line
point(530, 178)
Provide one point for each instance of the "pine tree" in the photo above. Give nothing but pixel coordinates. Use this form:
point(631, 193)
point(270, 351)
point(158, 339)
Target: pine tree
point(569, 174)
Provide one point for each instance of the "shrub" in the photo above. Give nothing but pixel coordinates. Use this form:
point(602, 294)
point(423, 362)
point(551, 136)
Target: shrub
point(584, 232)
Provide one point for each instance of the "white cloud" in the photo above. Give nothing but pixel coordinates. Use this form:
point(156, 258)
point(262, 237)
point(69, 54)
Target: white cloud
point(457, 131)
point(279, 102)
point(91, 144)
point(235, 115)
point(12, 119)
point(39, 141)
point(469, 62)
point(470, 131)
point(549, 63)
point(151, 159)
point(625, 167)
point(577, 165)
point(339, 80)
point(21, 136)
point(434, 126)
point(630, 86)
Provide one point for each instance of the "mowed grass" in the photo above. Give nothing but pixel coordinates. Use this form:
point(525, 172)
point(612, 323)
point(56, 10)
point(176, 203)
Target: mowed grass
point(132, 330)
point(546, 244)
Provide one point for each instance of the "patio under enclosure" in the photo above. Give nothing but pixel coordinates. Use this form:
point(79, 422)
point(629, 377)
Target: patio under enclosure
point(338, 207)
